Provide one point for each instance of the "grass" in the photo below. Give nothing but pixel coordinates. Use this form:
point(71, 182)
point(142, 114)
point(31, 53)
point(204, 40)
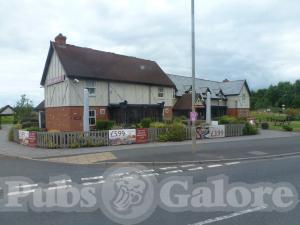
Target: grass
point(7, 119)
point(294, 124)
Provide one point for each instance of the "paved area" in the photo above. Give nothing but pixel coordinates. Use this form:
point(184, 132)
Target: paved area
point(112, 153)
point(58, 176)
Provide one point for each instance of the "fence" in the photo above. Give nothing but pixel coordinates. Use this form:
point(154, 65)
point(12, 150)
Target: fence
point(233, 130)
point(101, 138)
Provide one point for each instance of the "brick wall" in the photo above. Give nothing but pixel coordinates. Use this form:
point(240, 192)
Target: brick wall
point(238, 112)
point(70, 118)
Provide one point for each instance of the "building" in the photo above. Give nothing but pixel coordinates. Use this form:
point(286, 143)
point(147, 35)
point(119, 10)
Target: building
point(124, 89)
point(7, 111)
point(227, 97)
point(121, 88)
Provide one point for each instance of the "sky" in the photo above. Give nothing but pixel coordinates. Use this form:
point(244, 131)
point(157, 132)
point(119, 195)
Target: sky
point(257, 40)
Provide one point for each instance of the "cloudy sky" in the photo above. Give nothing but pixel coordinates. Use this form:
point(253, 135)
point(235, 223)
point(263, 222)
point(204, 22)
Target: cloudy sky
point(257, 40)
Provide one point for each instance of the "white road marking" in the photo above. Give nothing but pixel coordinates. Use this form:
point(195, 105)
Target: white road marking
point(196, 168)
point(92, 178)
point(232, 163)
point(147, 171)
point(215, 165)
point(92, 183)
point(173, 171)
point(59, 187)
point(150, 174)
point(61, 181)
point(21, 192)
point(187, 165)
point(168, 168)
point(26, 186)
point(220, 218)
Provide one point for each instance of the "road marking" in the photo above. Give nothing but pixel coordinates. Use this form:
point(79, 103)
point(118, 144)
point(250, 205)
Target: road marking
point(26, 186)
point(92, 178)
point(59, 187)
point(21, 192)
point(196, 168)
point(215, 165)
point(220, 218)
point(174, 171)
point(61, 181)
point(92, 183)
point(257, 153)
point(187, 165)
point(147, 171)
point(232, 163)
point(150, 174)
point(168, 168)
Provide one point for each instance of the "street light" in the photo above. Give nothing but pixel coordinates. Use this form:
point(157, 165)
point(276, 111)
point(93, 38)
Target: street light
point(193, 76)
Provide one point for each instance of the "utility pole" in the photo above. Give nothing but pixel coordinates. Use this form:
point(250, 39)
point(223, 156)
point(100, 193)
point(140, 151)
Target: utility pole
point(193, 76)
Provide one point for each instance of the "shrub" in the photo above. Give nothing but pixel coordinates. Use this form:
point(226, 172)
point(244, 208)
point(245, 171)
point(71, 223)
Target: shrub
point(11, 134)
point(287, 128)
point(37, 129)
point(104, 124)
point(265, 126)
point(157, 125)
point(231, 120)
point(250, 129)
point(174, 132)
point(146, 122)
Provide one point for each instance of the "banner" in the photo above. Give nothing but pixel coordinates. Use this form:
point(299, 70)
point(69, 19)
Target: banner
point(141, 135)
point(122, 137)
point(24, 137)
point(210, 132)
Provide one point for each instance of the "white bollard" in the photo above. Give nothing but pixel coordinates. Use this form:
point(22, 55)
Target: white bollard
point(86, 125)
point(208, 108)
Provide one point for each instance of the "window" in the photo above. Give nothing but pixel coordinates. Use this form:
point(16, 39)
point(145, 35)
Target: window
point(92, 117)
point(244, 98)
point(90, 86)
point(160, 92)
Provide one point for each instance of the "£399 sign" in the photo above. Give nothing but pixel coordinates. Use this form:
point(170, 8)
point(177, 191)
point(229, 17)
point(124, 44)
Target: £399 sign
point(122, 137)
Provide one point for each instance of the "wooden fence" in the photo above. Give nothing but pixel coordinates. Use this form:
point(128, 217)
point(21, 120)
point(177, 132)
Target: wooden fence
point(101, 138)
point(233, 130)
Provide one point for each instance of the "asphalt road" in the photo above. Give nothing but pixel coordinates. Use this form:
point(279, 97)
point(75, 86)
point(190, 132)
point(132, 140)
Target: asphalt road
point(212, 151)
point(272, 170)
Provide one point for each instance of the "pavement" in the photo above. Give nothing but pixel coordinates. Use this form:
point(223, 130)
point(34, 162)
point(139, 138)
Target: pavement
point(249, 172)
point(265, 144)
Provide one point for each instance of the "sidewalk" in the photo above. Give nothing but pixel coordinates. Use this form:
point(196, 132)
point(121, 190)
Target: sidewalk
point(107, 152)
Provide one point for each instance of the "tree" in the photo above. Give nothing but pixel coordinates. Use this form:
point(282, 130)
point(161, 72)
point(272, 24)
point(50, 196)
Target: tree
point(23, 109)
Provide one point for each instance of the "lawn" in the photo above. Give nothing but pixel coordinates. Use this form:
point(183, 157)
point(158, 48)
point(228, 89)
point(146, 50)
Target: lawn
point(294, 124)
point(7, 119)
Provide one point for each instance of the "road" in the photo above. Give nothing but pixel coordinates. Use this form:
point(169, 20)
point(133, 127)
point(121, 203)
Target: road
point(271, 170)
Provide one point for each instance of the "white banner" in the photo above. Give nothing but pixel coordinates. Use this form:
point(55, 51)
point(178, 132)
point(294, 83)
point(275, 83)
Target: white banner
point(24, 137)
point(122, 137)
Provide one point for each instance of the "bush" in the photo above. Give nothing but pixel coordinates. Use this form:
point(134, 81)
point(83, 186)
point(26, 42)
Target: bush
point(146, 122)
point(174, 132)
point(287, 128)
point(37, 129)
point(231, 120)
point(249, 129)
point(157, 125)
point(11, 134)
point(265, 126)
point(104, 124)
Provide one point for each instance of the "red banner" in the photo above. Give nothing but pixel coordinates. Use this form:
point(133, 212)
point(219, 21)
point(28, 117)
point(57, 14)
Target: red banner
point(32, 140)
point(141, 135)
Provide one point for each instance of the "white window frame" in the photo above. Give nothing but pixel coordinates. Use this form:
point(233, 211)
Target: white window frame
point(160, 92)
point(92, 117)
point(90, 86)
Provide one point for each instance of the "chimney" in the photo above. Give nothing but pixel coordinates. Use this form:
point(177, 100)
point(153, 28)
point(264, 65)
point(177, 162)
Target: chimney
point(60, 39)
point(226, 80)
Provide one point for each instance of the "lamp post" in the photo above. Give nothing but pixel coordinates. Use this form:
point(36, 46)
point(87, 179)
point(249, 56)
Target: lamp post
point(193, 75)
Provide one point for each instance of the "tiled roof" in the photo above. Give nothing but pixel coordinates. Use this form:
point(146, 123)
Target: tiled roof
point(86, 63)
point(183, 84)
